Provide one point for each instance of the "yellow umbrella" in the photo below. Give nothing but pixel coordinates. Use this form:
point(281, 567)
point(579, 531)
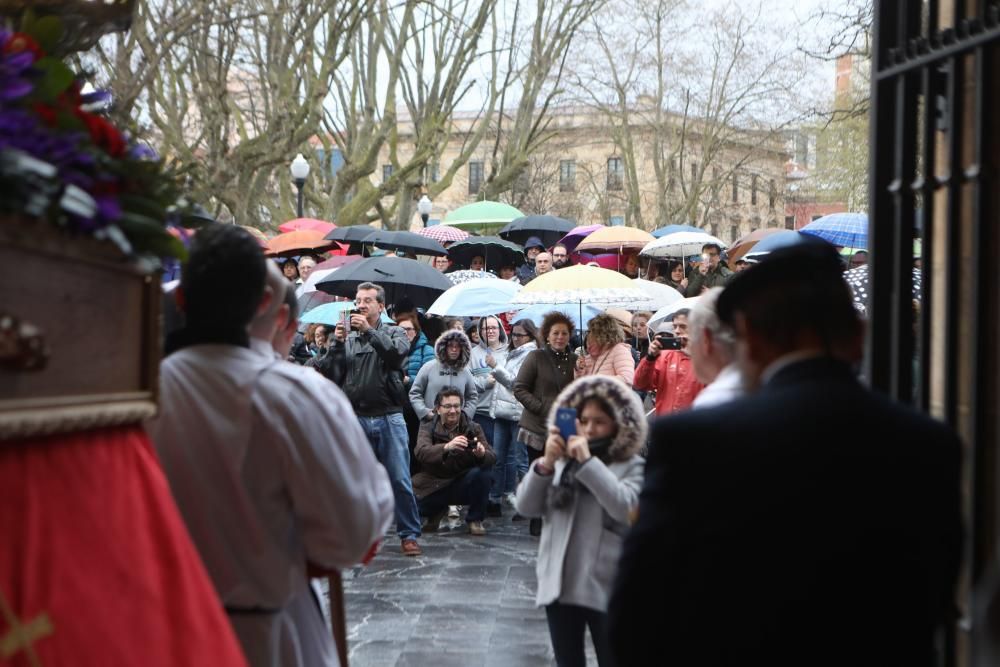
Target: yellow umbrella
point(589, 285)
point(615, 239)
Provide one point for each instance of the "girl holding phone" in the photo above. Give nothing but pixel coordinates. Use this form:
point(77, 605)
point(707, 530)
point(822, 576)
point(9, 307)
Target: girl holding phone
point(586, 488)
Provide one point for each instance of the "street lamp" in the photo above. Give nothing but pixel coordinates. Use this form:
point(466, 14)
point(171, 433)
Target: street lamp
point(300, 172)
point(424, 207)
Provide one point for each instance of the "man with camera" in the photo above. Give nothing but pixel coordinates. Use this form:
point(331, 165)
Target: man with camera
point(710, 273)
point(456, 464)
point(367, 363)
point(667, 368)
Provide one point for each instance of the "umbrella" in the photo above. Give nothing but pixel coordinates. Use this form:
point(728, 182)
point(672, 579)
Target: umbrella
point(465, 275)
point(351, 234)
point(680, 244)
point(297, 243)
point(844, 229)
point(858, 280)
point(580, 314)
point(577, 234)
point(310, 300)
point(332, 313)
point(660, 294)
point(257, 234)
point(665, 312)
point(299, 224)
point(670, 229)
point(310, 284)
point(443, 233)
point(583, 284)
point(744, 244)
point(495, 250)
point(482, 215)
point(405, 241)
point(400, 277)
point(476, 298)
point(548, 228)
point(783, 239)
point(337, 262)
point(618, 240)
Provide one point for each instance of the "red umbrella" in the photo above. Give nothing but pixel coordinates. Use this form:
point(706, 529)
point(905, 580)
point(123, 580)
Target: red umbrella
point(745, 244)
point(297, 243)
point(338, 261)
point(311, 224)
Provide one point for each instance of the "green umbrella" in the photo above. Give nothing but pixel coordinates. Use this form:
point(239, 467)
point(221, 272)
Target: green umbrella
point(482, 216)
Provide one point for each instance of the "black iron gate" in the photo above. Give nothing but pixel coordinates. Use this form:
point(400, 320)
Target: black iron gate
point(935, 146)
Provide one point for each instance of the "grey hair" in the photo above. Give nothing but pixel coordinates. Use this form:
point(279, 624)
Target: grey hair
point(705, 317)
point(379, 291)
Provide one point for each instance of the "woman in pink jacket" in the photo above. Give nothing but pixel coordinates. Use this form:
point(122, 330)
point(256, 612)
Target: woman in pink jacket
point(606, 351)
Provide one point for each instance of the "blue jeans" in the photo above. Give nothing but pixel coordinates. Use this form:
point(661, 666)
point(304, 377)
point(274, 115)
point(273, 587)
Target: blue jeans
point(509, 452)
point(388, 438)
point(471, 489)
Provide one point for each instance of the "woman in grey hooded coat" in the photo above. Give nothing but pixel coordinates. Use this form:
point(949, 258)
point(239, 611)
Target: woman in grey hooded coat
point(450, 368)
point(587, 490)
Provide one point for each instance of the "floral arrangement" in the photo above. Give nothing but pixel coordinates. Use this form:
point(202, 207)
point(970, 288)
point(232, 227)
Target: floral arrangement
point(63, 161)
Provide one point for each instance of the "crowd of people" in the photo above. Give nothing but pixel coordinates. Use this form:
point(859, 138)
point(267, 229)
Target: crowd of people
point(751, 513)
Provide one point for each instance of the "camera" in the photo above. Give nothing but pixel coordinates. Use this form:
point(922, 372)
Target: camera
point(471, 437)
point(353, 311)
point(668, 342)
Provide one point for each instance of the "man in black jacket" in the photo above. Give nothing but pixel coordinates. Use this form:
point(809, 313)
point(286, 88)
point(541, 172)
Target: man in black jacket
point(812, 522)
point(367, 363)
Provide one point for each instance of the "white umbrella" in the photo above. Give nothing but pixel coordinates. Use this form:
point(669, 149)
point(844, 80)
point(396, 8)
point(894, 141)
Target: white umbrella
point(476, 298)
point(589, 285)
point(310, 284)
point(680, 244)
point(665, 312)
point(662, 295)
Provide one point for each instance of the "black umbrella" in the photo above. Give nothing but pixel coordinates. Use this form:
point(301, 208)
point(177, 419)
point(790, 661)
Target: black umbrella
point(548, 228)
point(858, 280)
point(351, 233)
point(405, 241)
point(496, 251)
point(400, 277)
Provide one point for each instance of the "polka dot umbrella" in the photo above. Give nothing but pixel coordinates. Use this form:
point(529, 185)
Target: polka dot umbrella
point(858, 280)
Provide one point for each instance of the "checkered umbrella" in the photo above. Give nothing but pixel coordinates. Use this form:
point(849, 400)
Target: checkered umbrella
point(844, 229)
point(443, 233)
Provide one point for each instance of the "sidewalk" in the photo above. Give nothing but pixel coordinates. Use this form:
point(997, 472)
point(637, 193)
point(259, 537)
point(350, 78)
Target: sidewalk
point(466, 602)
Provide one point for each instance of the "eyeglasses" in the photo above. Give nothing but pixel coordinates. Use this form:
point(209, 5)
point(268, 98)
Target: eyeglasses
point(451, 406)
point(407, 328)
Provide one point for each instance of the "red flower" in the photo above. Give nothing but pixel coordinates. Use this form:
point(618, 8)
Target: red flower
point(46, 113)
point(103, 133)
point(20, 42)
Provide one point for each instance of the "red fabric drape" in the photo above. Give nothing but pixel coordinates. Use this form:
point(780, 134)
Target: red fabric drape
point(93, 542)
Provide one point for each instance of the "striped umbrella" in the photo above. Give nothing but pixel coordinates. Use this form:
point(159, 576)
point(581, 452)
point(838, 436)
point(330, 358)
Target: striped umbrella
point(849, 230)
point(443, 233)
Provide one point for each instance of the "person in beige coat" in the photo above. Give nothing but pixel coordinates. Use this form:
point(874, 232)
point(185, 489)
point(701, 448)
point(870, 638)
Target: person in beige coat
point(587, 490)
point(607, 353)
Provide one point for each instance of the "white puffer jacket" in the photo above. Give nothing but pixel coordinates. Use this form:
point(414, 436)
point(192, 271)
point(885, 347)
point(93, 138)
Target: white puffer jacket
point(504, 405)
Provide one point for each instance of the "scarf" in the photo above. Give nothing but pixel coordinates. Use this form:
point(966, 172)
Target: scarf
point(564, 492)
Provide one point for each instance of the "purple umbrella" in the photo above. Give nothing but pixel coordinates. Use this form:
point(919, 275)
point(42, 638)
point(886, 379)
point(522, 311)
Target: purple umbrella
point(576, 235)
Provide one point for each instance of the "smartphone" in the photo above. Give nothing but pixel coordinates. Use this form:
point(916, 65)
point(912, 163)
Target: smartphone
point(668, 342)
point(566, 422)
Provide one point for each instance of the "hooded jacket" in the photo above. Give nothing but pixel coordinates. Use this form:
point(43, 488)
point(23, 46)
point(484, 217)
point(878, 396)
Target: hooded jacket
point(581, 542)
point(441, 373)
point(505, 405)
point(421, 354)
point(481, 371)
point(526, 271)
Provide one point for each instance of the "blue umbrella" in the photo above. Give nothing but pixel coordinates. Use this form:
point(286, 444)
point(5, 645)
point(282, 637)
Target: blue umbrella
point(670, 229)
point(849, 230)
point(573, 311)
point(475, 298)
point(782, 239)
point(332, 313)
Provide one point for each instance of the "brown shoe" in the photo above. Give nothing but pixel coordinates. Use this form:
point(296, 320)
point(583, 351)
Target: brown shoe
point(409, 547)
point(476, 528)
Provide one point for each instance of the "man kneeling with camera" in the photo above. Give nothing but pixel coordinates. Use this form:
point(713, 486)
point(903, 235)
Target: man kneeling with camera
point(456, 464)
point(667, 369)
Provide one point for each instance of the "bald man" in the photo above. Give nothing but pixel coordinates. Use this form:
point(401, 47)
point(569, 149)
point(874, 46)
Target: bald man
point(543, 263)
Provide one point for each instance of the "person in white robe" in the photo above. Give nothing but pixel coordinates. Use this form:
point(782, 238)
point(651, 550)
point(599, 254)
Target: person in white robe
point(713, 350)
point(266, 485)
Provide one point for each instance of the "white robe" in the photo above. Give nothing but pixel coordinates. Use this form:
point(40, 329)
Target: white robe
point(270, 469)
point(727, 386)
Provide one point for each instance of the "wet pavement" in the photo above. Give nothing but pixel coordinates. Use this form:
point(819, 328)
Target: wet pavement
point(468, 602)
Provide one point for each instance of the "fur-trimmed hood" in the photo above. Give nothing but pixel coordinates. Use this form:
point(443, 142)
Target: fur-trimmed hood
point(442, 354)
point(627, 411)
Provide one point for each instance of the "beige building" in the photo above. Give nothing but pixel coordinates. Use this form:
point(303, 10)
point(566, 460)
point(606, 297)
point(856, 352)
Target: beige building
point(581, 174)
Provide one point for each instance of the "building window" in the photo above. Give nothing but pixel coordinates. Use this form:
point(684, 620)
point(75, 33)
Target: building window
point(734, 232)
point(772, 194)
point(736, 188)
point(616, 220)
point(475, 176)
point(789, 222)
point(753, 189)
point(616, 173)
point(672, 175)
point(386, 172)
point(567, 175)
point(715, 229)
